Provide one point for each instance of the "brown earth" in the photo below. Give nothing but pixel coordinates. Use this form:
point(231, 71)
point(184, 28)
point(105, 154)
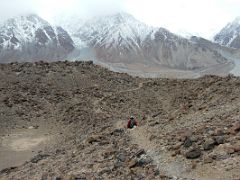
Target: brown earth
point(66, 120)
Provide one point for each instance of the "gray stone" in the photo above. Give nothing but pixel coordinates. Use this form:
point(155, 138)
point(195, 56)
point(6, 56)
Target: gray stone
point(219, 140)
point(38, 158)
point(188, 142)
point(193, 153)
point(121, 157)
point(144, 161)
point(208, 144)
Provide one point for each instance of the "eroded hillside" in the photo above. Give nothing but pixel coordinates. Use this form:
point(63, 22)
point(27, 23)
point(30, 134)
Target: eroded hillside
point(66, 120)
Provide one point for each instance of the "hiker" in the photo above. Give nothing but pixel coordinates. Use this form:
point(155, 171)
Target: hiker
point(131, 122)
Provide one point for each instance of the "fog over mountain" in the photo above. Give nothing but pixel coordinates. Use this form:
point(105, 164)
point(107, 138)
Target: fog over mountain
point(182, 17)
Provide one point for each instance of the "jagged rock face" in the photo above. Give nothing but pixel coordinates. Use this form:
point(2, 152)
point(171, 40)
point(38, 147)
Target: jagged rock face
point(120, 38)
point(31, 38)
point(230, 35)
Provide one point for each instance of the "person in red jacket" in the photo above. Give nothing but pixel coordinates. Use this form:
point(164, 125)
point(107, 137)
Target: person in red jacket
point(132, 122)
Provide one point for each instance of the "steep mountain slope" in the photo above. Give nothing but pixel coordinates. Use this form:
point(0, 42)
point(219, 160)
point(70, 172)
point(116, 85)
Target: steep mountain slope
point(32, 38)
point(121, 41)
point(230, 35)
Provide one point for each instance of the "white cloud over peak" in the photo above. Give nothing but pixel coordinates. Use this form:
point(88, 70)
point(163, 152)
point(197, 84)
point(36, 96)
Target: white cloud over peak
point(204, 17)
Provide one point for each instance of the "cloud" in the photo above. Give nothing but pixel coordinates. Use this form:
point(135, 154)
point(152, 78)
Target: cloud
point(82, 8)
point(94, 7)
point(204, 17)
point(50, 8)
point(12, 8)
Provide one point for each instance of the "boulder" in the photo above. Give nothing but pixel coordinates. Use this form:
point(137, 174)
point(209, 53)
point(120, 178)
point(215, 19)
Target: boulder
point(195, 138)
point(235, 128)
point(132, 163)
point(118, 164)
point(208, 144)
point(69, 177)
point(229, 149)
point(219, 140)
point(193, 153)
point(218, 132)
point(140, 152)
point(38, 158)
point(144, 161)
point(184, 134)
point(188, 142)
point(93, 139)
point(236, 148)
point(177, 146)
point(117, 132)
point(121, 157)
point(208, 159)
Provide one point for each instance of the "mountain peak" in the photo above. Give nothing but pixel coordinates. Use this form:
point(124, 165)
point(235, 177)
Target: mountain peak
point(32, 33)
point(110, 30)
point(24, 22)
point(230, 34)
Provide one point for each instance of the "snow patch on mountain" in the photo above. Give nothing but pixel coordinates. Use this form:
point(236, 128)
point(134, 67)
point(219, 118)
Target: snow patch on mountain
point(120, 29)
point(16, 31)
point(29, 37)
point(230, 34)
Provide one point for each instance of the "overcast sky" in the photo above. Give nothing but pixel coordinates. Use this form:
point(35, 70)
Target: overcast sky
point(197, 17)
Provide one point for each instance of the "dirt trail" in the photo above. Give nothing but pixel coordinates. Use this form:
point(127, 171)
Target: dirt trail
point(165, 163)
point(163, 160)
point(140, 137)
point(172, 167)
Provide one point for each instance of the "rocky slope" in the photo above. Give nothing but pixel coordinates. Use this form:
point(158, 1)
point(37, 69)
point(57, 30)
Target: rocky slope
point(187, 128)
point(230, 35)
point(122, 41)
point(30, 38)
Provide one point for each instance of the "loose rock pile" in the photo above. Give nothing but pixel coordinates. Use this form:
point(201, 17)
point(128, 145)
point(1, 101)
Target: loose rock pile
point(193, 122)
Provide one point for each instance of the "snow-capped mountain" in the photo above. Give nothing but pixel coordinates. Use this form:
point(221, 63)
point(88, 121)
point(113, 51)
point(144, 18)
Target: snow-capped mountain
point(119, 41)
point(120, 29)
point(31, 38)
point(120, 38)
point(230, 35)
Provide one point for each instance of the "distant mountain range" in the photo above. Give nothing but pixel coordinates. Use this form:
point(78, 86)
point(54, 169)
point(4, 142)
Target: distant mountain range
point(118, 41)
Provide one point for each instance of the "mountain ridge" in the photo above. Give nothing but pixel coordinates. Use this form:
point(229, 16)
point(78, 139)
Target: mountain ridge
point(230, 35)
point(30, 37)
point(118, 41)
point(120, 38)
